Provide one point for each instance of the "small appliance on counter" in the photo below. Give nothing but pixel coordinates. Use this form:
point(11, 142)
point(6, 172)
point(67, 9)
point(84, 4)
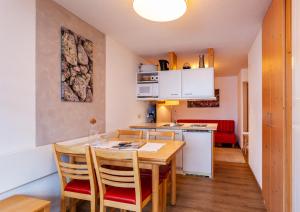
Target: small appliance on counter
point(151, 113)
point(147, 82)
point(201, 61)
point(147, 68)
point(147, 90)
point(186, 66)
point(164, 65)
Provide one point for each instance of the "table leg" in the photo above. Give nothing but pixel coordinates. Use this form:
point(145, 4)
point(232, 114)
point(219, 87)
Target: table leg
point(173, 180)
point(155, 188)
point(46, 208)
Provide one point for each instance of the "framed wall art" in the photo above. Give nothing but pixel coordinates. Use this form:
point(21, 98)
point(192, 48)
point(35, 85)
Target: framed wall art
point(76, 67)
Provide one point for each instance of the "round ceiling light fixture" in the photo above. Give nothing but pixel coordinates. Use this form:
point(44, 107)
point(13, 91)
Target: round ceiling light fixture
point(160, 10)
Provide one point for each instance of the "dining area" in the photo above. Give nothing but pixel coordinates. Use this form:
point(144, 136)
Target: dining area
point(125, 170)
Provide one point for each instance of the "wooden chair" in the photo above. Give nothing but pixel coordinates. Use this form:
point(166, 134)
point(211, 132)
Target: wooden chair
point(77, 180)
point(164, 171)
point(163, 135)
point(130, 134)
point(121, 188)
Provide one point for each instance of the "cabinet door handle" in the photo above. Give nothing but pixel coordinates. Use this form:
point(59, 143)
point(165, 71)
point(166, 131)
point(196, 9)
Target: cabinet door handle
point(188, 94)
point(174, 94)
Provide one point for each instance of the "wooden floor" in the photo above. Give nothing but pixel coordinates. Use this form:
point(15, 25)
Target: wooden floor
point(233, 189)
point(223, 154)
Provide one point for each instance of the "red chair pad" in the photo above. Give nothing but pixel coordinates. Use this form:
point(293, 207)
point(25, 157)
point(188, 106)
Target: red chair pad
point(127, 195)
point(163, 171)
point(224, 138)
point(79, 186)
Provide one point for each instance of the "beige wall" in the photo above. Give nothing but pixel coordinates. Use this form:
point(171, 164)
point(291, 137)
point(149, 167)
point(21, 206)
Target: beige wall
point(57, 120)
point(228, 104)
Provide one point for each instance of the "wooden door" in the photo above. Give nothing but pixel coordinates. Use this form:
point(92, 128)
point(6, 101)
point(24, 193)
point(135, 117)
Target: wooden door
point(245, 107)
point(275, 172)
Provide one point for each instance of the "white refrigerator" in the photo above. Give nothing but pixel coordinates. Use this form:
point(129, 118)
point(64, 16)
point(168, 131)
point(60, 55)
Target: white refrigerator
point(197, 153)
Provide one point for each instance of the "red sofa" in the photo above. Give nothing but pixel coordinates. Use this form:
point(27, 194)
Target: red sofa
point(225, 131)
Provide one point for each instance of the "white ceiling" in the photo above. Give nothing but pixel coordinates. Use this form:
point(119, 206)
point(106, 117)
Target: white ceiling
point(228, 26)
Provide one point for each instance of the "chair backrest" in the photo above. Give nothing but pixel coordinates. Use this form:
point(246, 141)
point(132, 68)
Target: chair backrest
point(117, 169)
point(160, 135)
point(130, 134)
point(70, 169)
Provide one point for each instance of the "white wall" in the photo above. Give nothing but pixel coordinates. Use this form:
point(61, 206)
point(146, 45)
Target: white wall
point(45, 188)
point(228, 104)
point(17, 82)
point(122, 108)
point(296, 104)
point(29, 169)
point(255, 107)
point(242, 77)
point(22, 162)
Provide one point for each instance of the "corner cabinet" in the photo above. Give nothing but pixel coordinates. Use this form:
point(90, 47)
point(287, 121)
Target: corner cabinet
point(169, 84)
point(197, 84)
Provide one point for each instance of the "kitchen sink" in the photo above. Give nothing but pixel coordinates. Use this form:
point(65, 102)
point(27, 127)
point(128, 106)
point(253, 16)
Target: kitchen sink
point(169, 125)
point(198, 125)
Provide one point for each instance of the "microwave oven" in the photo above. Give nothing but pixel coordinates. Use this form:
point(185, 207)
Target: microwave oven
point(147, 90)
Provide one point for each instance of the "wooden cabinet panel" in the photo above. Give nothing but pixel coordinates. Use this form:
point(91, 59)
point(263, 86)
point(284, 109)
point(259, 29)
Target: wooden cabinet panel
point(274, 109)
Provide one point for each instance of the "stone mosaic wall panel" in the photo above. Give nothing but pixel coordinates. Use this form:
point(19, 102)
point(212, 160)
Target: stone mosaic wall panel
point(206, 103)
point(76, 67)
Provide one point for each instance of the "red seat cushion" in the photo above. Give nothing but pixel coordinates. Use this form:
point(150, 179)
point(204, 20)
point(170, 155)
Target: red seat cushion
point(226, 126)
point(163, 171)
point(79, 186)
point(127, 195)
point(224, 138)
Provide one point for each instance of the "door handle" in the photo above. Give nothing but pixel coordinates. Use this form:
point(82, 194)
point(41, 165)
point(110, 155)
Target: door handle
point(188, 94)
point(174, 94)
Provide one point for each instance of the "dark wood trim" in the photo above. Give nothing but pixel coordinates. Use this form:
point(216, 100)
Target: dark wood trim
point(288, 107)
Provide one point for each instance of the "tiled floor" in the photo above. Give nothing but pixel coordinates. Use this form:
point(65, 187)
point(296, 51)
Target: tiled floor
point(233, 189)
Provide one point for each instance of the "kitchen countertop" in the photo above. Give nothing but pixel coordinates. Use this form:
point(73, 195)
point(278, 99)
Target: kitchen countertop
point(183, 126)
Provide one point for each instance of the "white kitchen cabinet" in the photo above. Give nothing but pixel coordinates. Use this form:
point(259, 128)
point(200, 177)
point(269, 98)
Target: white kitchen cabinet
point(197, 153)
point(197, 83)
point(169, 84)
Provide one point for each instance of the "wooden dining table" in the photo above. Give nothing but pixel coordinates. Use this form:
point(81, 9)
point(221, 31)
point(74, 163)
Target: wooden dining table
point(152, 161)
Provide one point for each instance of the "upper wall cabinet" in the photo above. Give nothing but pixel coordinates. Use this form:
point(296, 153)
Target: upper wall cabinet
point(197, 83)
point(177, 85)
point(169, 84)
